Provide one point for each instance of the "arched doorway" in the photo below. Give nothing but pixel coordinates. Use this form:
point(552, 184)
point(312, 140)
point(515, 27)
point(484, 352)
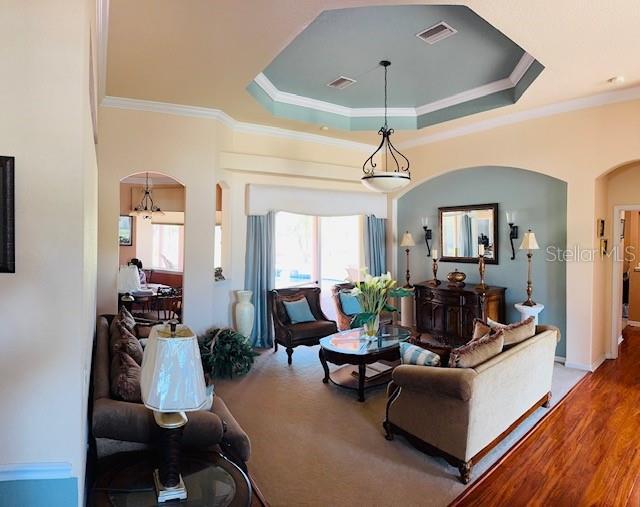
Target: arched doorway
point(151, 245)
point(619, 191)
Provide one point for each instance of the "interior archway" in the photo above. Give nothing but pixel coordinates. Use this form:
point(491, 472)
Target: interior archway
point(540, 202)
point(151, 238)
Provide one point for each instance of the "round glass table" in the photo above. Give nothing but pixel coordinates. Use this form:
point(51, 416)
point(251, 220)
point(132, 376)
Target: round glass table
point(374, 357)
point(210, 480)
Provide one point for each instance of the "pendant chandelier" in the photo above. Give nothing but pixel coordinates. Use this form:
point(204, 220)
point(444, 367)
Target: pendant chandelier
point(391, 178)
point(147, 209)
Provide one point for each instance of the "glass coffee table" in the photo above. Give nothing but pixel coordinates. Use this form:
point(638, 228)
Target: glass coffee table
point(370, 360)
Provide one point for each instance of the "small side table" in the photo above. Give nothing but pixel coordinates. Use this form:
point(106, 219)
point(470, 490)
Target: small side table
point(529, 311)
point(126, 480)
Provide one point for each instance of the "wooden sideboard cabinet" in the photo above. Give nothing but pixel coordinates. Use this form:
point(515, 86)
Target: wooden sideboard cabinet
point(446, 312)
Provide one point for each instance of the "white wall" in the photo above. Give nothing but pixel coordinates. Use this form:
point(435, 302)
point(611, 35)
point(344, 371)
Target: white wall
point(47, 308)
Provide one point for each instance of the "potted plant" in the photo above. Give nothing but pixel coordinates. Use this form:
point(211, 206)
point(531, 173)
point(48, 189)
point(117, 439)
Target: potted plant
point(225, 353)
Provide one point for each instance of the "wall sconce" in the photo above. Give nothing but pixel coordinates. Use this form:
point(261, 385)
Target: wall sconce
point(427, 233)
point(513, 231)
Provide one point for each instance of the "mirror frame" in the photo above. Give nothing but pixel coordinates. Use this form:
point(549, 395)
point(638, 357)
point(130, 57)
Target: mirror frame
point(471, 207)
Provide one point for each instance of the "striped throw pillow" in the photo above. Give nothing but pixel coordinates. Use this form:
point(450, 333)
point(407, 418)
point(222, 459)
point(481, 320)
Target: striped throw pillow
point(410, 354)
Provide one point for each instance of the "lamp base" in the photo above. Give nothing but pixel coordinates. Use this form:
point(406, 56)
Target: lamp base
point(178, 492)
point(528, 302)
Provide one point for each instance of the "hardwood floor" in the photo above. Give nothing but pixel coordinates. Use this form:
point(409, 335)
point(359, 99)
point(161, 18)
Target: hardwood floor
point(585, 453)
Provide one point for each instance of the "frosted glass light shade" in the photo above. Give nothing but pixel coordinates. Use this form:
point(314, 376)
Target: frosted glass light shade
point(386, 181)
point(529, 241)
point(172, 379)
point(128, 279)
point(407, 240)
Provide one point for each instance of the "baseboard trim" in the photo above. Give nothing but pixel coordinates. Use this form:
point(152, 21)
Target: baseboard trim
point(35, 471)
point(633, 323)
point(578, 366)
point(478, 482)
point(598, 363)
point(620, 339)
point(560, 359)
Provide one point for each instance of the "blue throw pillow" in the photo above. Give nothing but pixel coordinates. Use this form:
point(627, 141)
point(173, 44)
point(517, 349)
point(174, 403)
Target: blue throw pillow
point(299, 311)
point(410, 354)
point(350, 304)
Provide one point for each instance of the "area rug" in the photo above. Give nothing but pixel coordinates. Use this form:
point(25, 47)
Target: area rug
point(313, 444)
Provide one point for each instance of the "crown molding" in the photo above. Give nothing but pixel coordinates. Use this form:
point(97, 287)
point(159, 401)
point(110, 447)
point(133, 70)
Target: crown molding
point(600, 99)
point(237, 126)
point(397, 112)
point(102, 29)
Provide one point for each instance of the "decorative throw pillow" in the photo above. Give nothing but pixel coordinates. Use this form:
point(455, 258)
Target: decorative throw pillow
point(350, 304)
point(127, 319)
point(125, 378)
point(411, 354)
point(480, 329)
point(515, 333)
point(477, 351)
point(128, 343)
point(299, 311)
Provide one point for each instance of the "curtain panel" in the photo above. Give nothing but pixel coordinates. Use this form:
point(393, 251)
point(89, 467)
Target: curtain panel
point(375, 245)
point(259, 274)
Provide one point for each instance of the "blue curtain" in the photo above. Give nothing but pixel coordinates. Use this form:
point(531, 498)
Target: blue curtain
point(466, 237)
point(375, 246)
point(259, 274)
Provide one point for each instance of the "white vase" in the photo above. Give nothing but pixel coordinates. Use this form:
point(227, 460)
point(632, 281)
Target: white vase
point(244, 312)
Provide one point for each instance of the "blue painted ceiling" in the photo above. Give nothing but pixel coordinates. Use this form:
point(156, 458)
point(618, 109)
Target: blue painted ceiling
point(351, 42)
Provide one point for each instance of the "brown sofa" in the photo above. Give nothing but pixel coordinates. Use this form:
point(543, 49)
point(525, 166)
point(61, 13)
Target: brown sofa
point(126, 422)
point(463, 413)
point(305, 333)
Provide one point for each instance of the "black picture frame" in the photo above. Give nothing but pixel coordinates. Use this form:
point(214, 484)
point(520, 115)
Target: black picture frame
point(7, 215)
point(126, 240)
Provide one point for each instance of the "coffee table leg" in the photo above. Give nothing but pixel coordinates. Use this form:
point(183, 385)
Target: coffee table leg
point(323, 361)
point(361, 377)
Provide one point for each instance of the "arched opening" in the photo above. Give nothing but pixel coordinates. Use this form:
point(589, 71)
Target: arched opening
point(618, 231)
point(539, 202)
point(151, 245)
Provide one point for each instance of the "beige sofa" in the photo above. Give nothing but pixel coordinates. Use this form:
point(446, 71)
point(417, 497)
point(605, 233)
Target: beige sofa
point(462, 413)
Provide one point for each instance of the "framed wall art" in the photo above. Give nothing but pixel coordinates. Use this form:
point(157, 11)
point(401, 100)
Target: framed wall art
point(7, 215)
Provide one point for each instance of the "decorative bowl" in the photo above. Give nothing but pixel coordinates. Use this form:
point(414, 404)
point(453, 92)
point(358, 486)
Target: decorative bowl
point(456, 277)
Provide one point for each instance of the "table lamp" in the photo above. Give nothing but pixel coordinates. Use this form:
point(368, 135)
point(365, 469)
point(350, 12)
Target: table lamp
point(172, 383)
point(407, 242)
point(529, 243)
point(128, 279)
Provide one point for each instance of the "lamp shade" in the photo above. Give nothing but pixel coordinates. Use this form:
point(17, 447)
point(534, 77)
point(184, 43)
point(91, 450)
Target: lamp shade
point(128, 279)
point(172, 379)
point(386, 181)
point(529, 241)
point(407, 240)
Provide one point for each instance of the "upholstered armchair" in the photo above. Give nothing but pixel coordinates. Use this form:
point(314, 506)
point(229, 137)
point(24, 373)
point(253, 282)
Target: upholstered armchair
point(344, 319)
point(304, 333)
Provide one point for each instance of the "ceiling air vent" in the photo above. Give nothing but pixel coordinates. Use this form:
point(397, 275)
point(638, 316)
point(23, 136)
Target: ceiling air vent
point(341, 83)
point(436, 33)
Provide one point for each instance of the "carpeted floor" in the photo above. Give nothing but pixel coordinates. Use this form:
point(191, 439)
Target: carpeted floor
point(314, 445)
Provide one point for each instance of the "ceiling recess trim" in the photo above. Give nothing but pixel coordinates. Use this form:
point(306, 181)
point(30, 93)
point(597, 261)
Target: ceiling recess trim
point(235, 125)
point(414, 117)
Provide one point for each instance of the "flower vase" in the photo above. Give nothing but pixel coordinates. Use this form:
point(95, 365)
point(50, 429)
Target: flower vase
point(244, 313)
point(372, 325)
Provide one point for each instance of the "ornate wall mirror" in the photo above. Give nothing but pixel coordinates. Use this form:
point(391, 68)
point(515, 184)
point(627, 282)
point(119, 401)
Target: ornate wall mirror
point(464, 228)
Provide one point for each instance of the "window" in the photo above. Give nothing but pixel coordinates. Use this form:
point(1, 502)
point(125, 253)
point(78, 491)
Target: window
point(296, 253)
point(316, 250)
point(167, 247)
